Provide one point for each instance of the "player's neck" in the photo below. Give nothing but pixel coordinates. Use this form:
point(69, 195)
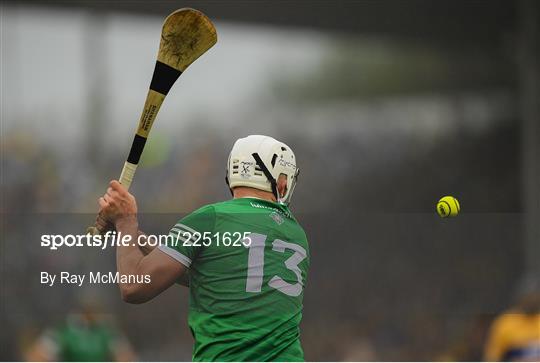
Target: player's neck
point(247, 192)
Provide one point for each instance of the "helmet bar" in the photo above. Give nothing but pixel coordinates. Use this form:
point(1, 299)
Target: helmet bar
point(267, 173)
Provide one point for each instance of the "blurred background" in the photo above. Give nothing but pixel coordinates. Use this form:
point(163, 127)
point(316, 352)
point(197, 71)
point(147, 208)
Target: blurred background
point(389, 105)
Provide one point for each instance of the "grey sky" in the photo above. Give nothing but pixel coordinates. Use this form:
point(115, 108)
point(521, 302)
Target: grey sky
point(48, 61)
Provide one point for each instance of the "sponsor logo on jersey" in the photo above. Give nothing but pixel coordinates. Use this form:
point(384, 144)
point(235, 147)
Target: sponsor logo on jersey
point(276, 210)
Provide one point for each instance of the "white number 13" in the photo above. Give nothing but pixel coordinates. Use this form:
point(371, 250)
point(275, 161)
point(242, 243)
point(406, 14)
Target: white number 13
point(255, 270)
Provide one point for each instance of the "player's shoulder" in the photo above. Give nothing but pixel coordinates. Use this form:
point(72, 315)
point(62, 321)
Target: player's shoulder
point(233, 202)
point(201, 219)
point(251, 205)
point(508, 320)
point(244, 207)
point(238, 205)
point(204, 210)
point(299, 233)
point(221, 208)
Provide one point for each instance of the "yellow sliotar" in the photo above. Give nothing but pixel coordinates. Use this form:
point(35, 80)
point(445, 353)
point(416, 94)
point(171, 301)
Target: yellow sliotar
point(448, 206)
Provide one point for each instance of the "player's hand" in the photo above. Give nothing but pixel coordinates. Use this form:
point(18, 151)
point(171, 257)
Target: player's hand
point(103, 225)
point(117, 204)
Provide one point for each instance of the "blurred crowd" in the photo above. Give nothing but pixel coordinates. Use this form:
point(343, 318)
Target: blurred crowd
point(389, 279)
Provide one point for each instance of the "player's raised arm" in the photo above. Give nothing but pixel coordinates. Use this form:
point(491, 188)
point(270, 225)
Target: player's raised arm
point(151, 274)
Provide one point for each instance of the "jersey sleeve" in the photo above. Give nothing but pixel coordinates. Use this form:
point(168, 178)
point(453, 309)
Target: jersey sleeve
point(184, 239)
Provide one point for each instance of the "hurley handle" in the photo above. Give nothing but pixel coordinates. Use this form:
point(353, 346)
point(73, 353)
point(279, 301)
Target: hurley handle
point(126, 177)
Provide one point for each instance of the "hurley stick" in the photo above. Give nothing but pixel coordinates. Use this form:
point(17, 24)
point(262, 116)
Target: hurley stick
point(186, 35)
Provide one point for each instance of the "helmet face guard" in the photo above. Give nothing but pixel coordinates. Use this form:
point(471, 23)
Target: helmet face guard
point(294, 180)
point(291, 184)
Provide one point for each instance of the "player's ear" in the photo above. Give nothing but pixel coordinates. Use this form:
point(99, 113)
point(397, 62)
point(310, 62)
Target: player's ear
point(282, 185)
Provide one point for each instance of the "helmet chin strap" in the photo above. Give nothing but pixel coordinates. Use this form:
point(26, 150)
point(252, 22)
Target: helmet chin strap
point(227, 176)
point(227, 182)
point(268, 175)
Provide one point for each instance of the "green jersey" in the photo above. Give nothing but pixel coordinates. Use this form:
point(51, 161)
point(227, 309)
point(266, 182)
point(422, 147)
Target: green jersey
point(82, 342)
point(248, 261)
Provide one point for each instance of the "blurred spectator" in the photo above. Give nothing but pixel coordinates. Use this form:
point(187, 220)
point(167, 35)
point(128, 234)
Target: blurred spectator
point(359, 349)
point(82, 337)
point(515, 334)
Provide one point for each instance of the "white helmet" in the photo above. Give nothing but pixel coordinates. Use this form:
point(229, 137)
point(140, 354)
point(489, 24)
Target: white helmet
point(257, 161)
